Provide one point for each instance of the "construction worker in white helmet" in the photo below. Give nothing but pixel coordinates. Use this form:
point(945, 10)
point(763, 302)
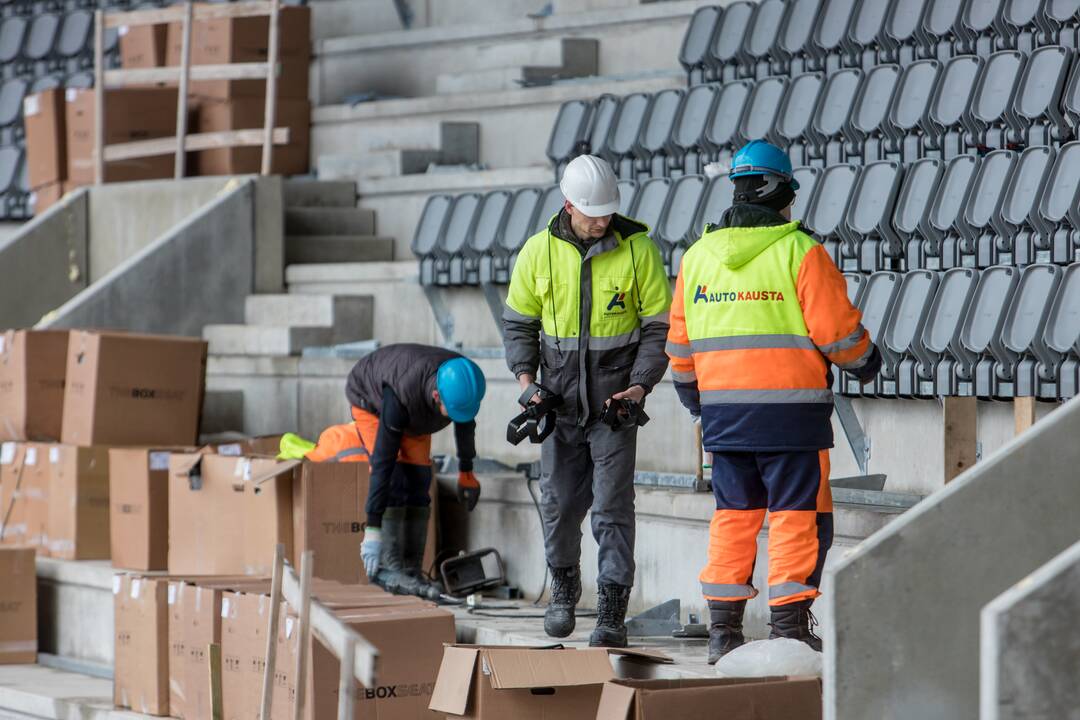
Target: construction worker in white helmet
point(588, 306)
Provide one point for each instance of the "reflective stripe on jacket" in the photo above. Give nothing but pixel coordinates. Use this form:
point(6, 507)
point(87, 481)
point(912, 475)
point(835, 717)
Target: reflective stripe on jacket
point(759, 312)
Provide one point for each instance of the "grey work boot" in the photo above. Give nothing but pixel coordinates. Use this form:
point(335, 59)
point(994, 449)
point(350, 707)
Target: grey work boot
point(610, 616)
point(392, 576)
point(416, 533)
point(725, 627)
point(559, 619)
point(794, 621)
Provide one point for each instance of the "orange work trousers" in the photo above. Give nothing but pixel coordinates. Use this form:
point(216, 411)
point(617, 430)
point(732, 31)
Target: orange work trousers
point(352, 442)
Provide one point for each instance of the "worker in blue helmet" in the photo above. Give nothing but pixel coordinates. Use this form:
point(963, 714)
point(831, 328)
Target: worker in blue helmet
point(400, 396)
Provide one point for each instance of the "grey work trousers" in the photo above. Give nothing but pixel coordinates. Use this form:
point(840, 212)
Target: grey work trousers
point(583, 469)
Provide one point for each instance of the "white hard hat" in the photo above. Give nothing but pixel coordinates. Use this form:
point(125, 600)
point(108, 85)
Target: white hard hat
point(590, 185)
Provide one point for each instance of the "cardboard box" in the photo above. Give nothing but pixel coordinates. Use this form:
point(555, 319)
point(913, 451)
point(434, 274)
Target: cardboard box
point(33, 365)
point(139, 507)
point(45, 197)
point(130, 114)
point(244, 617)
point(141, 675)
point(78, 505)
point(142, 46)
point(131, 389)
point(24, 476)
point(18, 606)
point(246, 113)
point(284, 696)
point(46, 137)
point(772, 698)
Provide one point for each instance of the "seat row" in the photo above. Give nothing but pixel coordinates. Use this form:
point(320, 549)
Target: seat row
point(48, 42)
point(996, 333)
point(787, 37)
point(926, 109)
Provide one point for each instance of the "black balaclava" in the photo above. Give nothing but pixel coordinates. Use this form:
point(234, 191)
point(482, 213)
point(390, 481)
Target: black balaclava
point(747, 187)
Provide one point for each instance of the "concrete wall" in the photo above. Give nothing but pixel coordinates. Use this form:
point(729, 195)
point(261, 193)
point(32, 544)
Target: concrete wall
point(75, 611)
point(904, 630)
point(1030, 649)
point(44, 264)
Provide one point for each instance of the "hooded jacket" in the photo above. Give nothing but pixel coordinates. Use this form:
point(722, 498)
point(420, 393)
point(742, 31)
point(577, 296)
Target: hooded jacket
point(759, 313)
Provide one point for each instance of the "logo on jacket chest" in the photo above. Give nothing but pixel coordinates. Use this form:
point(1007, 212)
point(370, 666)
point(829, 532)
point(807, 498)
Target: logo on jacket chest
point(703, 294)
point(617, 303)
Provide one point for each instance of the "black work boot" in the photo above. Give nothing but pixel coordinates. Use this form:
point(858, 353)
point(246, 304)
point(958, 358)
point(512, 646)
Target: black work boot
point(392, 576)
point(610, 616)
point(725, 627)
point(559, 617)
point(795, 621)
point(416, 533)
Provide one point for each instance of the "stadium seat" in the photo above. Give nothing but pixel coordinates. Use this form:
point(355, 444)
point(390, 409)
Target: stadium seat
point(1019, 21)
point(907, 113)
point(899, 38)
point(569, 132)
point(1059, 353)
point(1036, 117)
point(977, 28)
point(826, 128)
point(601, 119)
point(429, 231)
point(80, 80)
point(694, 53)
point(830, 47)
point(937, 30)
point(727, 41)
point(12, 33)
point(676, 223)
point(869, 243)
point(756, 57)
point(982, 329)
point(520, 221)
point(1058, 21)
point(856, 283)
point(10, 160)
point(944, 362)
point(722, 131)
point(716, 199)
point(794, 116)
point(761, 109)
point(627, 188)
point(625, 129)
point(46, 82)
point(807, 178)
point(913, 202)
point(654, 140)
point(450, 250)
point(864, 35)
point(827, 211)
point(903, 331)
point(944, 120)
point(688, 145)
point(992, 99)
point(1021, 345)
point(865, 129)
point(547, 207)
point(73, 38)
point(12, 93)
point(792, 47)
point(1016, 219)
point(484, 233)
point(1058, 218)
point(41, 38)
point(649, 202)
point(976, 223)
point(940, 228)
point(876, 304)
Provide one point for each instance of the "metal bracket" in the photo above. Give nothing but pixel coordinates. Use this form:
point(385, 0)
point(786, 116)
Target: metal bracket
point(443, 318)
point(857, 440)
point(660, 620)
point(495, 304)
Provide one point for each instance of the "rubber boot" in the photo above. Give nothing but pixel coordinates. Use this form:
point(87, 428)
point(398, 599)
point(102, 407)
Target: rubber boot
point(392, 576)
point(795, 621)
point(725, 627)
point(611, 605)
point(416, 533)
point(559, 619)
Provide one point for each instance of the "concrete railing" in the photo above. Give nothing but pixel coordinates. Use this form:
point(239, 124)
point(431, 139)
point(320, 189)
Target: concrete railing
point(902, 637)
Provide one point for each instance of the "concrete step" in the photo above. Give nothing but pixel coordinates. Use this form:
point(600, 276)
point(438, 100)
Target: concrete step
point(319, 193)
point(401, 149)
point(222, 411)
point(349, 315)
point(580, 58)
point(329, 221)
point(264, 339)
point(380, 163)
point(338, 248)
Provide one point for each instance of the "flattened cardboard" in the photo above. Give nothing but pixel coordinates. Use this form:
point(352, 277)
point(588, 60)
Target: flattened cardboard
point(139, 507)
point(18, 606)
point(78, 508)
point(46, 138)
point(33, 365)
point(770, 698)
point(141, 675)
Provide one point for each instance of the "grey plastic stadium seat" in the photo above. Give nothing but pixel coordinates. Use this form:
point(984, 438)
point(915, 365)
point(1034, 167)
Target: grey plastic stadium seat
point(976, 223)
point(830, 48)
point(41, 37)
point(694, 53)
point(865, 129)
point(977, 27)
point(938, 29)
point(80, 80)
point(794, 116)
point(826, 128)
point(1036, 117)
point(547, 207)
point(899, 38)
point(654, 139)
point(429, 231)
point(992, 99)
point(650, 200)
point(727, 41)
point(827, 211)
point(483, 235)
point(944, 120)
point(856, 283)
point(1058, 218)
point(688, 145)
point(627, 189)
point(756, 56)
point(940, 227)
point(1016, 219)
point(73, 38)
point(807, 178)
point(601, 120)
point(9, 169)
point(450, 250)
point(12, 32)
point(761, 110)
point(796, 30)
point(676, 223)
point(876, 304)
point(943, 360)
point(864, 35)
point(869, 240)
point(625, 131)
point(1058, 22)
point(1017, 354)
point(722, 130)
point(903, 331)
point(46, 82)
point(717, 198)
point(907, 114)
point(1018, 24)
point(913, 202)
point(520, 221)
point(982, 329)
point(1059, 352)
point(569, 131)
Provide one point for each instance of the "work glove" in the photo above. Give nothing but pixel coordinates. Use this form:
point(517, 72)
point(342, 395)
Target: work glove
point(468, 489)
point(370, 550)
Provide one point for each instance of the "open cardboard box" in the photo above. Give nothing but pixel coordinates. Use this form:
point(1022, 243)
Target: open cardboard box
point(767, 698)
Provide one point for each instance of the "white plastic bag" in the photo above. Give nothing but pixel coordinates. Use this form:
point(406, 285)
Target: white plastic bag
point(763, 658)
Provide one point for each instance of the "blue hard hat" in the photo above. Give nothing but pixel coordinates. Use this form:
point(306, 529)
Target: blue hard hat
point(759, 157)
point(461, 388)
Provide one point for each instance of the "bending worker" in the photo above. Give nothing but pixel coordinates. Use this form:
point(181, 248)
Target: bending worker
point(588, 303)
point(760, 311)
point(400, 396)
